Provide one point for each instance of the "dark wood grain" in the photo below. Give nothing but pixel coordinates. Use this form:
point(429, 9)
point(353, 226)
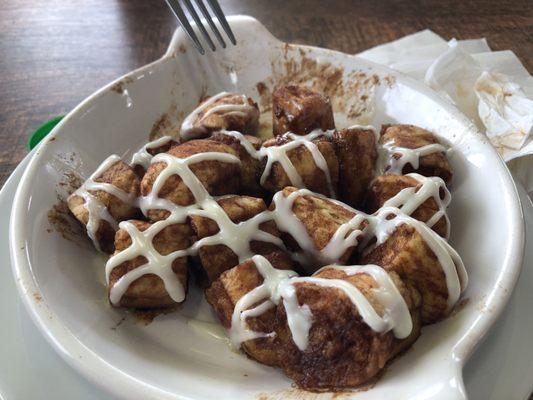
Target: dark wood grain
point(55, 53)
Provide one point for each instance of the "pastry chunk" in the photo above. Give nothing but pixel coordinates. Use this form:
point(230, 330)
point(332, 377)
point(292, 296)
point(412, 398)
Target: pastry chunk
point(320, 217)
point(141, 160)
point(218, 176)
point(433, 162)
point(357, 154)
point(386, 187)
point(99, 209)
point(316, 169)
point(214, 259)
point(233, 284)
point(149, 291)
point(250, 163)
point(229, 111)
point(407, 253)
point(300, 110)
point(341, 351)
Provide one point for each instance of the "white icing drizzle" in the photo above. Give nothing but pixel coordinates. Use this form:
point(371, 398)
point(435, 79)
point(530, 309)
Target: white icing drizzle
point(248, 146)
point(267, 291)
point(387, 163)
point(180, 167)
point(287, 221)
point(396, 316)
point(96, 209)
point(143, 157)
point(236, 236)
point(409, 199)
point(278, 154)
point(454, 270)
point(378, 226)
point(279, 284)
point(192, 126)
point(299, 317)
point(156, 264)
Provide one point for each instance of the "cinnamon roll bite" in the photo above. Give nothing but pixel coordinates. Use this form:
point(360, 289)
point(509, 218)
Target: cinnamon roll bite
point(140, 273)
point(317, 230)
point(243, 229)
point(300, 110)
point(228, 111)
point(247, 147)
point(423, 198)
point(302, 161)
point(356, 151)
point(419, 256)
point(106, 198)
point(348, 333)
point(409, 148)
point(215, 166)
point(254, 334)
point(140, 161)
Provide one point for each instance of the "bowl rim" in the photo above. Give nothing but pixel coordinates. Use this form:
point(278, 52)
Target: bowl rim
point(104, 375)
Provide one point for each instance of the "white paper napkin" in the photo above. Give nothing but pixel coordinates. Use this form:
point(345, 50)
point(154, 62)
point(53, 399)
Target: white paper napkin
point(492, 88)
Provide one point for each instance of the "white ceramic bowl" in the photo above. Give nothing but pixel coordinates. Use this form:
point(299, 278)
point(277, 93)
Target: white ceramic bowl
point(61, 281)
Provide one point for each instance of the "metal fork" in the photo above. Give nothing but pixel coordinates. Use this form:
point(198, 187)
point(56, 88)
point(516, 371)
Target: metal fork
point(177, 9)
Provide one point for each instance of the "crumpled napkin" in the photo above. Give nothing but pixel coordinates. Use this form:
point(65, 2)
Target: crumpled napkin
point(504, 109)
point(453, 74)
point(491, 87)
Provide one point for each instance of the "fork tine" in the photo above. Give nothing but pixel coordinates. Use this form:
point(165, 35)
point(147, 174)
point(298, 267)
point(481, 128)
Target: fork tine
point(194, 16)
point(207, 17)
point(180, 15)
point(222, 19)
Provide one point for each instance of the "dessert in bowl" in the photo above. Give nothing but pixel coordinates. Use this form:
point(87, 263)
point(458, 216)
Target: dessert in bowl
point(323, 249)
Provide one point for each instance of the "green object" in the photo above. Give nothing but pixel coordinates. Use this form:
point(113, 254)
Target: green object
point(42, 131)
